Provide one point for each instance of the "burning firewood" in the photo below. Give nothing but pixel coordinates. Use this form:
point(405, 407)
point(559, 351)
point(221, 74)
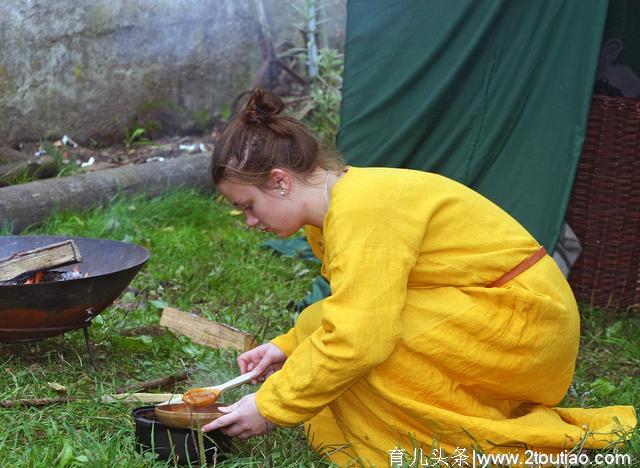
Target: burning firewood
point(39, 260)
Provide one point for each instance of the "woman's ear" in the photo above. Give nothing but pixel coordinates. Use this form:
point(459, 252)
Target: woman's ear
point(280, 181)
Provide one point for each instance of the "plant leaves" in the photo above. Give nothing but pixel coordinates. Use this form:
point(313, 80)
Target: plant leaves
point(158, 304)
point(66, 455)
point(603, 387)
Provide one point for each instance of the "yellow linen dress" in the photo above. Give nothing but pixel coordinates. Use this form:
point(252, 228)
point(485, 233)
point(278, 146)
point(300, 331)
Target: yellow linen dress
point(411, 349)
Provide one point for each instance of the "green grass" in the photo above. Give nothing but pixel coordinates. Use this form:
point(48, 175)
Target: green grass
point(61, 167)
point(608, 366)
point(204, 260)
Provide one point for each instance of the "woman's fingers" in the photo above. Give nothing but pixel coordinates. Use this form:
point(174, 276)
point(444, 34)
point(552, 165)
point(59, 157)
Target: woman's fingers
point(230, 408)
point(248, 361)
point(237, 430)
point(261, 367)
point(221, 422)
point(263, 360)
point(243, 421)
point(245, 363)
point(268, 359)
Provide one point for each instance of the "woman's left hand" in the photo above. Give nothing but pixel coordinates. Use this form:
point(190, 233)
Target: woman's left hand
point(242, 419)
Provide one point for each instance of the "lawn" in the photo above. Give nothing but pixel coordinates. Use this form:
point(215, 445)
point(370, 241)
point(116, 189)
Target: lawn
point(205, 261)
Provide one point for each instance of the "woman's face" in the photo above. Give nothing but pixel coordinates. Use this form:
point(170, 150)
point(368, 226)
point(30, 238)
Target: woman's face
point(266, 209)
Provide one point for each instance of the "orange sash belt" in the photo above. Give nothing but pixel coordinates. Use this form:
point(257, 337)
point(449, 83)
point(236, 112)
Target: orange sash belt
point(522, 266)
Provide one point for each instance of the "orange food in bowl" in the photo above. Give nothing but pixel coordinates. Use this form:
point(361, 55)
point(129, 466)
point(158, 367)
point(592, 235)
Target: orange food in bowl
point(200, 397)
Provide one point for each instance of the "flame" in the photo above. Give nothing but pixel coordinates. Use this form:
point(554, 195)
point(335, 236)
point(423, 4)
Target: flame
point(39, 276)
point(36, 278)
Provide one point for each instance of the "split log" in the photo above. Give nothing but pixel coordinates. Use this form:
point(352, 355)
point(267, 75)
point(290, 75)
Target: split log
point(28, 204)
point(206, 332)
point(43, 258)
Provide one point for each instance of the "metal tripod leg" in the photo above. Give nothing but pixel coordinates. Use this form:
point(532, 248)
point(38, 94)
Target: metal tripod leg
point(86, 339)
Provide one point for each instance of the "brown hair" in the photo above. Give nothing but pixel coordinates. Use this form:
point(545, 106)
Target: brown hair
point(258, 140)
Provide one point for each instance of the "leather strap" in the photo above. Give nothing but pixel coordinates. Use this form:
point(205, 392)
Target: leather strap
point(522, 266)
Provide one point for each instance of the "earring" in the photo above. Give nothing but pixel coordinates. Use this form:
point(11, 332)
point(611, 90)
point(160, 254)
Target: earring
point(282, 191)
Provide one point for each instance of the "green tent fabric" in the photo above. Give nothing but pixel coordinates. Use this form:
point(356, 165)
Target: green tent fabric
point(492, 93)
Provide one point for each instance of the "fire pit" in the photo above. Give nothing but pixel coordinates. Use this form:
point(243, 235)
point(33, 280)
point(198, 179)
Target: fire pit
point(31, 312)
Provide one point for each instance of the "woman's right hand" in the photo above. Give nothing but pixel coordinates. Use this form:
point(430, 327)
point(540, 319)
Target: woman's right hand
point(264, 359)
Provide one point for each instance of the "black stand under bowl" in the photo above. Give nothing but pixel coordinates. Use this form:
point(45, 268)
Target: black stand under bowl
point(179, 445)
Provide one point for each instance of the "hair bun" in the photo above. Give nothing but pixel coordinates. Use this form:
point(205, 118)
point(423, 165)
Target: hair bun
point(261, 107)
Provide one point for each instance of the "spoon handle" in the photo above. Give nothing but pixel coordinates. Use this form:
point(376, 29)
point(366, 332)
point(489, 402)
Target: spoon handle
point(233, 383)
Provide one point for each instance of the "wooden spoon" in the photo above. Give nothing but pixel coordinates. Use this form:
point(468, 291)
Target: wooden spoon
point(205, 396)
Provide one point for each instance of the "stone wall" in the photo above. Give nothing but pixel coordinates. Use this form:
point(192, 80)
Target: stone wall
point(89, 68)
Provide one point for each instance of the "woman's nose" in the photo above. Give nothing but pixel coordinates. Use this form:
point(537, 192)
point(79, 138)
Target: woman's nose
point(252, 221)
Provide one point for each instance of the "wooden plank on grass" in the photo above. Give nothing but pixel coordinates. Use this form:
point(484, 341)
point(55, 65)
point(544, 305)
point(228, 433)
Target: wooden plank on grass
point(43, 258)
point(206, 332)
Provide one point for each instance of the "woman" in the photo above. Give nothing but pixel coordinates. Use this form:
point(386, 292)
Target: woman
point(447, 325)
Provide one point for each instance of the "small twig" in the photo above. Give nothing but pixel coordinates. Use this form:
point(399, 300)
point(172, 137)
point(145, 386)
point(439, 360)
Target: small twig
point(263, 330)
point(289, 102)
point(291, 72)
point(159, 382)
point(36, 402)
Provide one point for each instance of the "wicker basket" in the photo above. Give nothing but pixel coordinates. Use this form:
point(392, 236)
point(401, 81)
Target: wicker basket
point(604, 210)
